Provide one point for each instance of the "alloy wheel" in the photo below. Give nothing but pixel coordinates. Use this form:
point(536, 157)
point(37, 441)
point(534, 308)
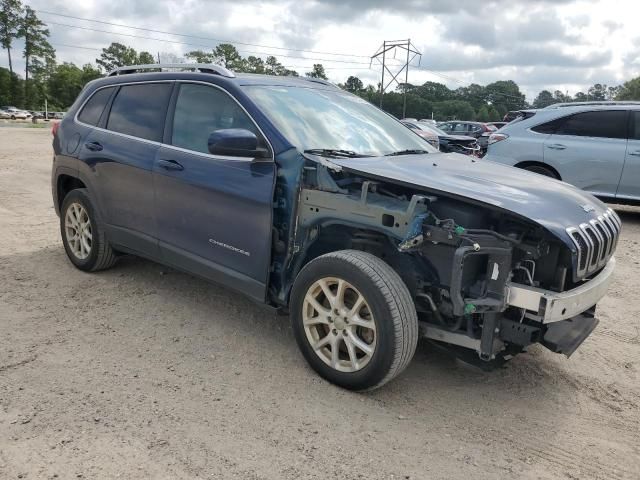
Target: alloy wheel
point(339, 324)
point(77, 226)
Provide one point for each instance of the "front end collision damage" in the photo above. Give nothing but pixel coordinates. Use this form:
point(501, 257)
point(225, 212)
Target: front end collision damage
point(466, 265)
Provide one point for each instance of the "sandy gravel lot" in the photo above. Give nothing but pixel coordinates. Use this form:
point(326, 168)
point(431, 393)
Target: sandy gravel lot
point(143, 372)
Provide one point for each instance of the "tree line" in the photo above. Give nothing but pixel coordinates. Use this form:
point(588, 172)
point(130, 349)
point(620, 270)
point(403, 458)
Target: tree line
point(60, 83)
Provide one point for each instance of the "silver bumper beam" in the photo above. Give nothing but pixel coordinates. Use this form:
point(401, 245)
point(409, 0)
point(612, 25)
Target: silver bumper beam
point(556, 306)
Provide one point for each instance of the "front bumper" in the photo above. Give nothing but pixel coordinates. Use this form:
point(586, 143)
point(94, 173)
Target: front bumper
point(551, 306)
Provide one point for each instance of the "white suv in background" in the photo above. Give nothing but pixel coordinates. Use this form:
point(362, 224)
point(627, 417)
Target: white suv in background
point(16, 113)
point(593, 146)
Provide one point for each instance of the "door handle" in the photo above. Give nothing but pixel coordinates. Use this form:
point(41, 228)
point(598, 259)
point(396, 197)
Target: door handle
point(556, 146)
point(93, 146)
point(636, 153)
point(170, 165)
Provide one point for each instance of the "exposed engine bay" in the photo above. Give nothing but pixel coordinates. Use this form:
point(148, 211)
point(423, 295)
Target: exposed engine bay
point(475, 273)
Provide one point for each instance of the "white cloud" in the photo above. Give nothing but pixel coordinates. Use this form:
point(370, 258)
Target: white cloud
point(565, 45)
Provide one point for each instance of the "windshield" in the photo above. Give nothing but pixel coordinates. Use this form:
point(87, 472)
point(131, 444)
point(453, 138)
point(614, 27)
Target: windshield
point(314, 119)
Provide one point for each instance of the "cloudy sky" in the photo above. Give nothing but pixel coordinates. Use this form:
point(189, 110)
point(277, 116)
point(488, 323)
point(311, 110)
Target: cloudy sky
point(554, 44)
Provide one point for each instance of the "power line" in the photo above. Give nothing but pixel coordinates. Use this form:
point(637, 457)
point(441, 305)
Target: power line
point(201, 38)
point(286, 66)
point(330, 60)
point(420, 68)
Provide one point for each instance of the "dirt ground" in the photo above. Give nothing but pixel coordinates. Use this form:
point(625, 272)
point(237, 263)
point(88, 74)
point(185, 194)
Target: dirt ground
point(143, 372)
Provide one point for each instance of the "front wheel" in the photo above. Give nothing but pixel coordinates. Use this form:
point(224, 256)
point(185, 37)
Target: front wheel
point(354, 319)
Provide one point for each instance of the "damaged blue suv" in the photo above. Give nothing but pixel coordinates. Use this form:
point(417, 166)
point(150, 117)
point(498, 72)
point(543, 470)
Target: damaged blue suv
point(314, 202)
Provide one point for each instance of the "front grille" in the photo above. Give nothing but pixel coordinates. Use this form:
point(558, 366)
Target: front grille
point(595, 242)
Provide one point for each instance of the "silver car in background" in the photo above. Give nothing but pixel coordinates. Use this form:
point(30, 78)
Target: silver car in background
point(593, 146)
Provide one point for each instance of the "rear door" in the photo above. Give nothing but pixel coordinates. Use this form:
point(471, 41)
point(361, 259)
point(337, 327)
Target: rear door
point(213, 212)
point(630, 180)
point(588, 149)
point(118, 157)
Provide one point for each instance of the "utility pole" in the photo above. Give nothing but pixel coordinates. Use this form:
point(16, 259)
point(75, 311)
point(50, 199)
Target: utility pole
point(411, 54)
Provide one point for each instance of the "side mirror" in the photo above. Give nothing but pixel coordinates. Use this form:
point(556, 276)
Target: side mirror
point(236, 142)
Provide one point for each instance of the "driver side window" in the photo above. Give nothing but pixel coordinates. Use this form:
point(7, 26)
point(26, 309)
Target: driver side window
point(200, 110)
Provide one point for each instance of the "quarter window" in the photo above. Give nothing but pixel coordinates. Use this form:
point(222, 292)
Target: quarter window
point(635, 132)
point(92, 110)
point(200, 110)
point(139, 110)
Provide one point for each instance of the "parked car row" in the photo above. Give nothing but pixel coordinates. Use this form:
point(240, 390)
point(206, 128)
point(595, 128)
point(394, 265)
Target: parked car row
point(443, 141)
point(14, 113)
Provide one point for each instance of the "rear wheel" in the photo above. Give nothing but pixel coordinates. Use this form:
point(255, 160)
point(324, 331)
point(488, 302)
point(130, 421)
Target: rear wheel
point(542, 170)
point(354, 319)
point(83, 235)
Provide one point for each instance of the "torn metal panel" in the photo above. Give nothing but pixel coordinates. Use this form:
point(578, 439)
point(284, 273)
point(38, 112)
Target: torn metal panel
point(369, 209)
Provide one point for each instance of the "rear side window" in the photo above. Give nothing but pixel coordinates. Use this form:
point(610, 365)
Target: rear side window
point(601, 124)
point(200, 110)
point(90, 113)
point(139, 110)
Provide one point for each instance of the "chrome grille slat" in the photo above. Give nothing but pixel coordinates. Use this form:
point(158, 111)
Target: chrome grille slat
point(595, 242)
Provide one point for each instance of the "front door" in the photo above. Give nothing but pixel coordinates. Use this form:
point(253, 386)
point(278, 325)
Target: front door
point(630, 180)
point(213, 212)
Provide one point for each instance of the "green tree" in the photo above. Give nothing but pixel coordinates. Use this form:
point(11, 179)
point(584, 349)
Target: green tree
point(434, 91)
point(119, 55)
point(145, 58)
point(254, 65)
point(228, 56)
point(201, 56)
point(454, 109)
point(317, 72)
point(501, 109)
point(507, 93)
point(629, 90)
point(274, 67)
point(353, 84)
point(494, 115)
point(9, 80)
point(597, 92)
point(580, 97)
point(37, 50)
point(475, 94)
point(483, 115)
point(612, 92)
point(544, 98)
point(10, 20)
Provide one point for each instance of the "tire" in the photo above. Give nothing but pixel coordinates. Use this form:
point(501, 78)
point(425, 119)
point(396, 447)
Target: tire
point(383, 332)
point(542, 170)
point(13, 117)
point(94, 253)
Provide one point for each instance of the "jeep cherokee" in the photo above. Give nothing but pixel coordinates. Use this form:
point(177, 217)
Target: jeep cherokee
point(314, 202)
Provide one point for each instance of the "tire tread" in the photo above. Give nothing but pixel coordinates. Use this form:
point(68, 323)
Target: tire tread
point(397, 297)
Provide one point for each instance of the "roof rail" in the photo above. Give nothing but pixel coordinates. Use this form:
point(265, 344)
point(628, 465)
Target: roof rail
point(595, 102)
point(200, 67)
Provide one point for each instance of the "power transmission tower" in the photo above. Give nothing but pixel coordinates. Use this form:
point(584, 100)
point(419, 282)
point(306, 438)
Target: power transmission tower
point(386, 50)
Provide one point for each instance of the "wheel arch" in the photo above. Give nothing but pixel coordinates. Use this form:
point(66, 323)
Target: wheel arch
point(65, 183)
point(336, 236)
point(531, 163)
